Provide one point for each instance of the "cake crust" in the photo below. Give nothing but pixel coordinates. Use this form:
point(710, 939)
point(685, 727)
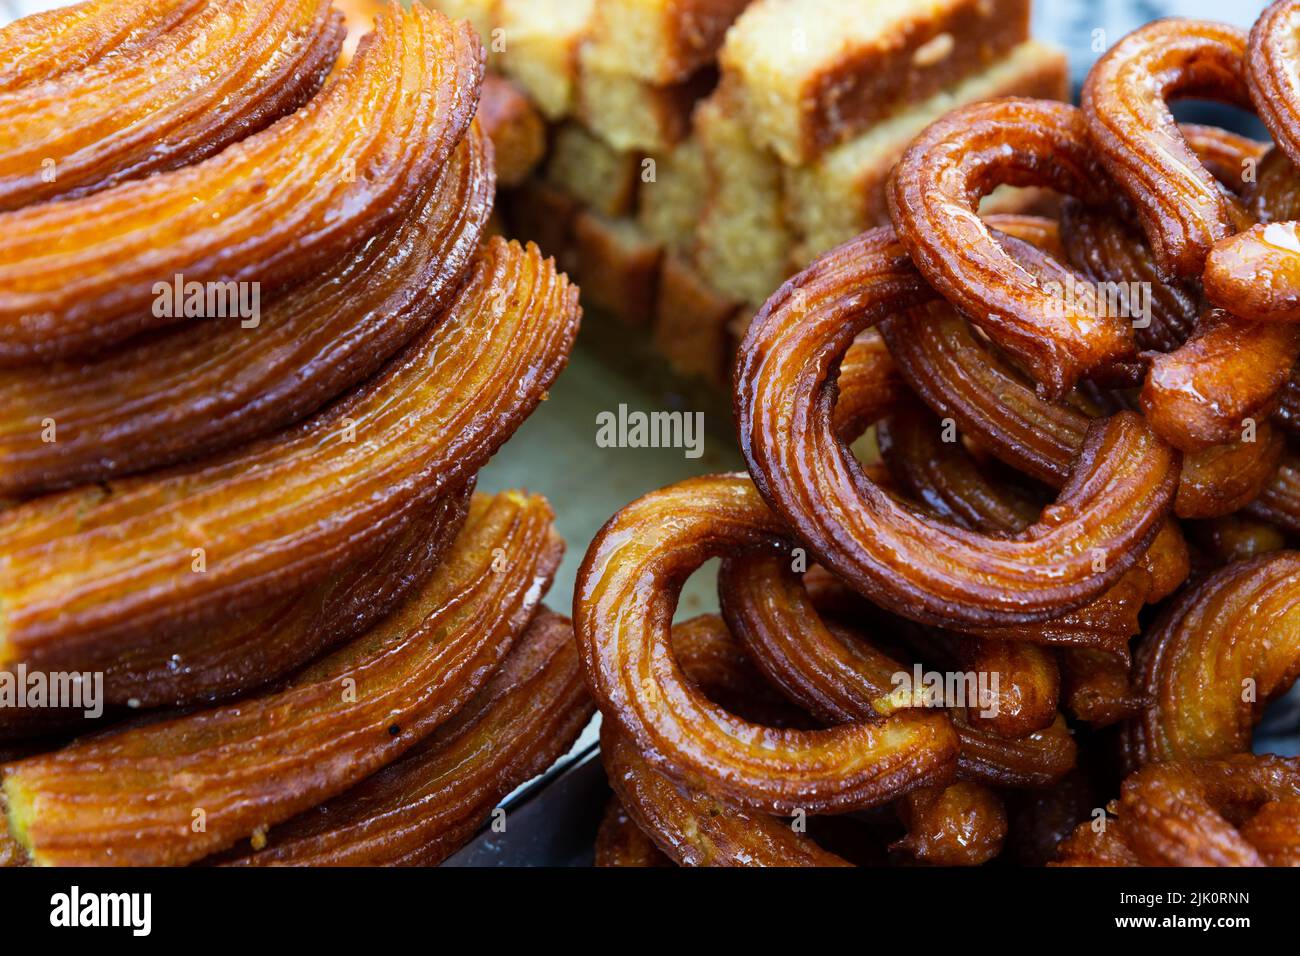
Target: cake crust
point(810, 74)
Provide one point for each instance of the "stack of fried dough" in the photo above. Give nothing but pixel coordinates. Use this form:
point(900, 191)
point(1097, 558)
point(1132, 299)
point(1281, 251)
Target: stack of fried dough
point(258, 528)
point(1082, 527)
point(701, 151)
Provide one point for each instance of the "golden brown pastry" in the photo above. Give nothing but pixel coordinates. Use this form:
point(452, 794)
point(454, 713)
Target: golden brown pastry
point(425, 806)
point(961, 825)
point(840, 677)
point(934, 192)
point(202, 388)
point(143, 558)
point(52, 43)
point(272, 209)
point(232, 69)
point(623, 606)
point(916, 566)
point(1182, 209)
point(693, 825)
point(1214, 661)
point(174, 791)
point(234, 654)
point(1197, 813)
point(1256, 273)
point(962, 378)
point(621, 843)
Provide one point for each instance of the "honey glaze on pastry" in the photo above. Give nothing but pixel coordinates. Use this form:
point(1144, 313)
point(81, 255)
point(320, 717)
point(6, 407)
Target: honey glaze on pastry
point(270, 209)
point(1164, 436)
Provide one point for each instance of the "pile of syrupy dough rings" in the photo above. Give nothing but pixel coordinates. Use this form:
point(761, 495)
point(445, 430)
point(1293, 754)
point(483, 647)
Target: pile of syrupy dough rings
point(1091, 502)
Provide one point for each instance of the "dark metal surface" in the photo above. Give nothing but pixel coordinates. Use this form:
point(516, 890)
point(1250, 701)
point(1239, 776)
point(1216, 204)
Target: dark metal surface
point(553, 823)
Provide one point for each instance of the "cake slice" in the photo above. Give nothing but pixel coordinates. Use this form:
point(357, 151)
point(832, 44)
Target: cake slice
point(631, 114)
point(540, 41)
point(587, 168)
point(618, 267)
point(843, 192)
point(540, 213)
point(659, 41)
point(517, 131)
point(669, 202)
point(810, 74)
point(742, 242)
point(691, 319)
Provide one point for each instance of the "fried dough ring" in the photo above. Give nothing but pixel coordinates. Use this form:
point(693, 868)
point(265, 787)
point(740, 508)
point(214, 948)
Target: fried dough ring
point(1230, 371)
point(1183, 210)
point(201, 389)
point(1088, 846)
point(234, 655)
point(1215, 660)
point(942, 360)
point(961, 825)
point(619, 841)
point(1223, 479)
point(1201, 392)
point(1275, 197)
point(1120, 490)
point(961, 378)
point(128, 797)
point(626, 594)
point(1029, 684)
point(1271, 74)
point(1096, 687)
point(947, 483)
point(933, 194)
point(1279, 502)
point(1109, 249)
point(944, 477)
point(234, 68)
point(110, 565)
point(1256, 274)
point(425, 806)
point(273, 208)
point(1183, 813)
point(49, 44)
point(692, 825)
point(840, 679)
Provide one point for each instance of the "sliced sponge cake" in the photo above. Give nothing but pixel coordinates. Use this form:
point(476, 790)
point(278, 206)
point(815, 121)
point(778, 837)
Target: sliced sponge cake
point(659, 41)
point(810, 74)
point(833, 199)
